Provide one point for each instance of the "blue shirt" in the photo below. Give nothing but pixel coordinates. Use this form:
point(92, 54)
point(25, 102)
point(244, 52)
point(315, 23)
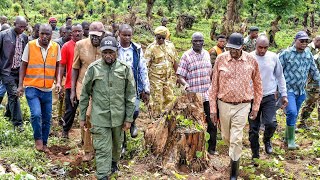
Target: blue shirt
point(296, 68)
point(126, 55)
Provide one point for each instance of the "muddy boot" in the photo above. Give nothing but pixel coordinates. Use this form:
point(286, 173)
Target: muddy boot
point(65, 134)
point(234, 169)
point(291, 138)
point(39, 145)
point(133, 130)
point(114, 167)
point(46, 149)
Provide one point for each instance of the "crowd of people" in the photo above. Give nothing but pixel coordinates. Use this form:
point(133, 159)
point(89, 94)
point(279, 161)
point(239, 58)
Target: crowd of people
point(107, 76)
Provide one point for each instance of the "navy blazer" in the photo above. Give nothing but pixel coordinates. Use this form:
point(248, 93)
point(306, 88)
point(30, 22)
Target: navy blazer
point(7, 49)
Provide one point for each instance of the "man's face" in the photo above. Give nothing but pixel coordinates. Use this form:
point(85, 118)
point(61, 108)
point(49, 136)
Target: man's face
point(125, 36)
point(45, 36)
point(235, 53)
point(254, 34)
point(67, 35)
point(20, 26)
point(77, 33)
point(69, 22)
point(222, 43)
point(63, 32)
point(262, 48)
point(197, 43)
point(95, 40)
point(3, 20)
point(301, 44)
point(86, 30)
point(160, 39)
point(36, 32)
point(109, 56)
point(317, 42)
point(53, 24)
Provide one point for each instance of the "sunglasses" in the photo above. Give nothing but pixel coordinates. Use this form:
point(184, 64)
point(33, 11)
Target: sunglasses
point(303, 40)
point(161, 37)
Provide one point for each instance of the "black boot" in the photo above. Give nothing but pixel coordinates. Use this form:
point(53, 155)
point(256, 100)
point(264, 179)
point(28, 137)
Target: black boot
point(133, 130)
point(114, 167)
point(268, 133)
point(234, 169)
point(268, 147)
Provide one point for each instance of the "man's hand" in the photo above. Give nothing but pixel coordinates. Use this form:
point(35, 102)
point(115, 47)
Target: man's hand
point(126, 126)
point(214, 118)
point(285, 102)
point(145, 97)
point(58, 88)
point(253, 115)
point(73, 98)
point(20, 91)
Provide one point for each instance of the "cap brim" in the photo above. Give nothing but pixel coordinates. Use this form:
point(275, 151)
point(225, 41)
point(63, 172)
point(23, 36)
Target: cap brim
point(233, 46)
point(304, 38)
point(97, 33)
point(109, 47)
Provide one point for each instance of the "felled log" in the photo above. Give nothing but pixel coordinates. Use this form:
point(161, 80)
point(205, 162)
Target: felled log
point(178, 138)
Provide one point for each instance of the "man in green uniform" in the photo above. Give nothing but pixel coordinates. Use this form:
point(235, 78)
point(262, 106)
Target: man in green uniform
point(249, 44)
point(110, 84)
point(312, 87)
point(161, 57)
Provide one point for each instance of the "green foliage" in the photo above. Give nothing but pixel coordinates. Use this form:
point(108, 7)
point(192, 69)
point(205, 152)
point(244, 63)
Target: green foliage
point(280, 7)
point(16, 7)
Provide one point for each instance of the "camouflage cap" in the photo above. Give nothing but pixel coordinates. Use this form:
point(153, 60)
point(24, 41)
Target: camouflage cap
point(161, 30)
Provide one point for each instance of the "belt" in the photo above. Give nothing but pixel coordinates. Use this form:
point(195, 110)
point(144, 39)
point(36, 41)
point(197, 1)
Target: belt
point(236, 103)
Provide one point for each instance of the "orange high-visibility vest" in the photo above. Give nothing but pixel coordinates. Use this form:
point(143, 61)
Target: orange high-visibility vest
point(218, 50)
point(41, 73)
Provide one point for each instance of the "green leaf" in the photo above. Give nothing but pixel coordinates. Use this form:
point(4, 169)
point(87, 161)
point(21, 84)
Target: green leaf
point(199, 154)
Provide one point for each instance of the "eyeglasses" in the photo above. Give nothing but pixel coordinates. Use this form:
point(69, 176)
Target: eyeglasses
point(161, 37)
point(303, 40)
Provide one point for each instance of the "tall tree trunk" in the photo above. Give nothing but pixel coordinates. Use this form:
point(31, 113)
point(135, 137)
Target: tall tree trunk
point(305, 19)
point(312, 16)
point(150, 4)
point(230, 17)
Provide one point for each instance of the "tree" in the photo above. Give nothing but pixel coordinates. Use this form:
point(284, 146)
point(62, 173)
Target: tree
point(232, 16)
point(279, 8)
point(150, 4)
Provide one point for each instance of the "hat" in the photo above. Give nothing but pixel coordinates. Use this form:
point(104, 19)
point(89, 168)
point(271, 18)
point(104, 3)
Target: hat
point(161, 30)
point(235, 41)
point(302, 35)
point(52, 19)
point(109, 43)
point(96, 28)
point(253, 28)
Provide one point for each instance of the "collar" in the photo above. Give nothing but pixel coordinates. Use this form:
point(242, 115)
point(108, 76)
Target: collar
point(37, 44)
point(243, 57)
point(120, 47)
point(293, 48)
point(194, 52)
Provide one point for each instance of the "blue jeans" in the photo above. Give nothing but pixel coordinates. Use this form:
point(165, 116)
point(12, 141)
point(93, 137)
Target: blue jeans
point(294, 105)
point(2, 89)
point(40, 104)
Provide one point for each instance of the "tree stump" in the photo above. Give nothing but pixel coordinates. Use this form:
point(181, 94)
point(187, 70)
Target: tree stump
point(178, 138)
point(184, 21)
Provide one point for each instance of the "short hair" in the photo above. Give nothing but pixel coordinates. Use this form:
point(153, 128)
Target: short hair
point(221, 36)
point(84, 23)
point(68, 28)
point(68, 18)
point(37, 25)
point(197, 34)
point(125, 26)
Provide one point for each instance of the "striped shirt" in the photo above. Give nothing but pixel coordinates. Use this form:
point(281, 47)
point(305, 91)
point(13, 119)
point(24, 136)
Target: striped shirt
point(196, 69)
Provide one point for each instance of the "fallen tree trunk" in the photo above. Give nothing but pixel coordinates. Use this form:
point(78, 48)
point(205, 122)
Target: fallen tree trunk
point(178, 138)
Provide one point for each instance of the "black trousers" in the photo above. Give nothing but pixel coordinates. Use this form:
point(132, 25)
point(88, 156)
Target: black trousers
point(13, 110)
point(70, 111)
point(212, 129)
point(265, 115)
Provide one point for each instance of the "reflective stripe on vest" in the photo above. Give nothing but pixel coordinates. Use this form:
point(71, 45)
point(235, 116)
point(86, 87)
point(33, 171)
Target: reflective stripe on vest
point(41, 73)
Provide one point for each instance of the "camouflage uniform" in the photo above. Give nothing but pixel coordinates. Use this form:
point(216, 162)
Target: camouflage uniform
point(160, 60)
point(312, 89)
point(249, 44)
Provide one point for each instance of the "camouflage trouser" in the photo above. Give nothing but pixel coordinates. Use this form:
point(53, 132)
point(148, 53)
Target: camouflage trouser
point(311, 102)
point(107, 142)
point(161, 95)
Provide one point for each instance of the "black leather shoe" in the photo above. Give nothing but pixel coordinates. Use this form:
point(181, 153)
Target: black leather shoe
point(114, 167)
point(65, 134)
point(268, 147)
point(133, 130)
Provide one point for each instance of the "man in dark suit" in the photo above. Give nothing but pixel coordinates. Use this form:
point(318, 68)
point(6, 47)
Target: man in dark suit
point(12, 43)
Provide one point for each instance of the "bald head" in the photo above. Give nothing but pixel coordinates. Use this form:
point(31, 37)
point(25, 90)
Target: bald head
point(197, 42)
point(262, 45)
point(124, 26)
point(20, 24)
point(316, 41)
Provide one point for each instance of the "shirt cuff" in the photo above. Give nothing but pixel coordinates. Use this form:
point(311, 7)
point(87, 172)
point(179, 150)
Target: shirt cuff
point(129, 120)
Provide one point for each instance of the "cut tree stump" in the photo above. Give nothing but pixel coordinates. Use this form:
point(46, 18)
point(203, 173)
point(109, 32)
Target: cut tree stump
point(178, 138)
